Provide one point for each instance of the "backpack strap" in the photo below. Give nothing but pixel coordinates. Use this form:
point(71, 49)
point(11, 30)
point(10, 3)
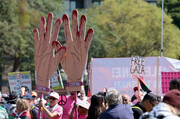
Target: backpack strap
point(136, 107)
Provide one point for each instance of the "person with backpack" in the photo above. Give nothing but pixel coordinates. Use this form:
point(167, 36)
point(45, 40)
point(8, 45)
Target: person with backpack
point(146, 105)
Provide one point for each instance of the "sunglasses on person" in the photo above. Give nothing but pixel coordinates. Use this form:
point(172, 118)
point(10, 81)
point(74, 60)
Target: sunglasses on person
point(52, 98)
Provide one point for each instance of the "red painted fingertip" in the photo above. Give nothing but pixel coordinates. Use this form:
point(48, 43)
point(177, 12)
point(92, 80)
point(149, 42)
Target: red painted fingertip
point(35, 30)
point(64, 17)
point(90, 30)
point(58, 21)
point(83, 17)
point(50, 14)
point(56, 43)
point(43, 19)
point(75, 12)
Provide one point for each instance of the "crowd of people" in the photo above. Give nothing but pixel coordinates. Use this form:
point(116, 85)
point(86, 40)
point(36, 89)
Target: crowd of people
point(103, 105)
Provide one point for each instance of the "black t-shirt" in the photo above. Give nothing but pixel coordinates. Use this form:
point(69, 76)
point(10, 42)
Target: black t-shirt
point(138, 110)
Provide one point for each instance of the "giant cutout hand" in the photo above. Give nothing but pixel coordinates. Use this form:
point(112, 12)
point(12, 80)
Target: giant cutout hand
point(46, 61)
point(77, 45)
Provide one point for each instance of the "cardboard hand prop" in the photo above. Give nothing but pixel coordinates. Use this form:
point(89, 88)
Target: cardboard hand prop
point(77, 45)
point(46, 60)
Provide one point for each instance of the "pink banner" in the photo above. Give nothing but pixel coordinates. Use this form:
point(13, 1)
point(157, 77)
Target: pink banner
point(166, 77)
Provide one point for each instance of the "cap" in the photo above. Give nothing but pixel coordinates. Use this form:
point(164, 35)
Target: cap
point(172, 98)
point(28, 96)
point(55, 95)
point(33, 93)
point(11, 98)
point(136, 88)
point(84, 103)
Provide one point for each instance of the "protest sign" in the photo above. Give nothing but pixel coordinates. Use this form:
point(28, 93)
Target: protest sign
point(137, 67)
point(46, 60)
point(166, 77)
point(77, 46)
point(56, 82)
point(18, 79)
point(115, 73)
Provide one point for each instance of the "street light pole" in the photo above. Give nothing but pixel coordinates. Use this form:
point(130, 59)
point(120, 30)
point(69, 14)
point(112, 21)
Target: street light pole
point(162, 29)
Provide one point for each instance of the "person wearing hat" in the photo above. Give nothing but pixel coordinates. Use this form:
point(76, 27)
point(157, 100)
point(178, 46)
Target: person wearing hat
point(33, 108)
point(146, 105)
point(169, 108)
point(11, 104)
point(83, 106)
point(138, 95)
point(54, 110)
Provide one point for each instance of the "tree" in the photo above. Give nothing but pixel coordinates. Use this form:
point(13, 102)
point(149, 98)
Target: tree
point(172, 8)
point(18, 18)
point(133, 27)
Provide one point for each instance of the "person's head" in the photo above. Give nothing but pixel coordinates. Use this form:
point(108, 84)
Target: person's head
point(72, 95)
point(139, 95)
point(12, 99)
point(172, 98)
point(53, 99)
point(34, 96)
point(125, 99)
point(174, 84)
point(113, 97)
point(83, 106)
point(26, 89)
point(21, 105)
point(149, 101)
point(29, 98)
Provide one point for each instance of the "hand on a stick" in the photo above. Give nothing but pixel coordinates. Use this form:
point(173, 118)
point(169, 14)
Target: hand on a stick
point(77, 45)
point(46, 60)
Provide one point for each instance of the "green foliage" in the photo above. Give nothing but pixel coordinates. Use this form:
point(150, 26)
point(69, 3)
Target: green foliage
point(172, 8)
point(18, 18)
point(132, 27)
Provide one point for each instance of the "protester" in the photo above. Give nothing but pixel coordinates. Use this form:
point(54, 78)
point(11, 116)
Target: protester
point(22, 110)
point(97, 106)
point(3, 100)
point(167, 109)
point(138, 95)
point(53, 110)
point(33, 108)
point(116, 109)
point(34, 95)
point(67, 108)
point(125, 99)
point(174, 84)
point(146, 105)
point(24, 90)
point(11, 104)
point(83, 106)
point(3, 112)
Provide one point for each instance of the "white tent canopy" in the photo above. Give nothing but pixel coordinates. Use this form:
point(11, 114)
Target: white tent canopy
point(115, 73)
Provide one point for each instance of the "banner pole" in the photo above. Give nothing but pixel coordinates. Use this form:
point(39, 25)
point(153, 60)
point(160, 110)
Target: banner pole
point(76, 110)
point(39, 112)
point(157, 77)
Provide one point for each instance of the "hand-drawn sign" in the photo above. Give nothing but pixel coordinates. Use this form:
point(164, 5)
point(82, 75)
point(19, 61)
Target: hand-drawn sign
point(137, 67)
point(62, 100)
